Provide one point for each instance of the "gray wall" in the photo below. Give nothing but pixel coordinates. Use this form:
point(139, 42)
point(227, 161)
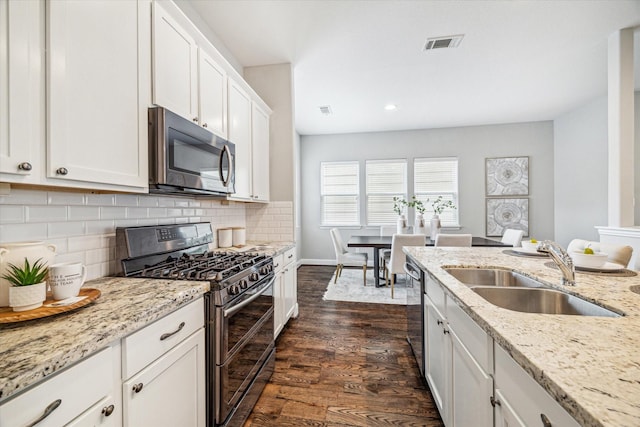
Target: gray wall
point(581, 177)
point(471, 145)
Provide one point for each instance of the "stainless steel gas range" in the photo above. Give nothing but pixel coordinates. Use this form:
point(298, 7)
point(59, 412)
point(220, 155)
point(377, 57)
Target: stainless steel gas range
point(240, 353)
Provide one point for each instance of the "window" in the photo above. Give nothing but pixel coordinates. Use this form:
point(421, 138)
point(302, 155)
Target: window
point(339, 182)
point(437, 177)
point(385, 180)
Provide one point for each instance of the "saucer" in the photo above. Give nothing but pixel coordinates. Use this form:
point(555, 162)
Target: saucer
point(607, 267)
point(529, 252)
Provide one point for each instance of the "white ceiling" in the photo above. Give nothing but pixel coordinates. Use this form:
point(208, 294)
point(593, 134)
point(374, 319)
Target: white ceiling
point(519, 60)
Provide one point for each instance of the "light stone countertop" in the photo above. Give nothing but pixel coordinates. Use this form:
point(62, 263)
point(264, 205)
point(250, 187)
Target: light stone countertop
point(590, 365)
point(35, 349)
point(269, 248)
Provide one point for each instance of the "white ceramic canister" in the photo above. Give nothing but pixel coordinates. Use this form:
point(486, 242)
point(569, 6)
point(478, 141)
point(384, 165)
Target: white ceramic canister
point(225, 237)
point(239, 236)
point(15, 253)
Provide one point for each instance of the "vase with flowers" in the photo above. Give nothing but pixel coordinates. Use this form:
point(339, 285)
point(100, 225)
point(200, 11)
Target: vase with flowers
point(438, 206)
point(419, 226)
point(399, 204)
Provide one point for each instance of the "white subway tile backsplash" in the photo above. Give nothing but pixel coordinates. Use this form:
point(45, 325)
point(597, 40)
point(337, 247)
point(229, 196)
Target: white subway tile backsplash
point(46, 213)
point(84, 243)
point(97, 256)
point(24, 197)
point(113, 213)
point(11, 214)
point(22, 232)
point(101, 199)
point(137, 213)
point(148, 201)
point(77, 213)
point(188, 212)
point(182, 220)
point(61, 229)
point(126, 200)
point(100, 227)
point(66, 199)
point(174, 212)
point(181, 203)
point(166, 202)
point(126, 223)
point(157, 213)
point(148, 221)
point(70, 257)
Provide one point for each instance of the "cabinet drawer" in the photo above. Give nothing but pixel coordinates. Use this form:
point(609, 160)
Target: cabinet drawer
point(278, 263)
point(528, 400)
point(78, 388)
point(143, 347)
point(289, 256)
point(476, 341)
point(436, 294)
point(105, 413)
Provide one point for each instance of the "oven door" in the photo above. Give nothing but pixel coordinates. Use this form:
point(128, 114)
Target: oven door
point(244, 344)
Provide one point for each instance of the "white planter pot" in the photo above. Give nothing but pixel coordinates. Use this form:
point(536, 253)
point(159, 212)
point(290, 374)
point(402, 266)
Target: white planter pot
point(15, 253)
point(435, 227)
point(419, 226)
point(401, 225)
point(23, 298)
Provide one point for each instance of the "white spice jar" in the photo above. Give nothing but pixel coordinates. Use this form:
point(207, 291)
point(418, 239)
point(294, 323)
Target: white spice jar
point(239, 236)
point(225, 238)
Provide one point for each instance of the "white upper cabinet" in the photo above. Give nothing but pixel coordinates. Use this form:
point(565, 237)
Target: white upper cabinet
point(212, 81)
point(21, 90)
point(97, 75)
point(175, 62)
point(240, 135)
point(259, 153)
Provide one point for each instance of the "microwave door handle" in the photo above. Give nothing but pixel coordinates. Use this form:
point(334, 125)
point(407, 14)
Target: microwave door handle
point(226, 152)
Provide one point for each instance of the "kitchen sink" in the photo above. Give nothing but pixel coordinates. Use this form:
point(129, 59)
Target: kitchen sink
point(514, 291)
point(546, 301)
point(493, 277)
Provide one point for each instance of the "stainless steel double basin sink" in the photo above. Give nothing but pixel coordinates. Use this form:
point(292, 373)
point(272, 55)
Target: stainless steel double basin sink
point(514, 291)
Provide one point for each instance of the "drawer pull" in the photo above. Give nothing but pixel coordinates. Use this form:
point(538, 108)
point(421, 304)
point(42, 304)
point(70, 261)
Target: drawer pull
point(494, 402)
point(25, 166)
point(439, 322)
point(47, 411)
point(108, 410)
point(168, 334)
point(545, 421)
point(138, 387)
point(445, 331)
point(62, 171)
point(290, 256)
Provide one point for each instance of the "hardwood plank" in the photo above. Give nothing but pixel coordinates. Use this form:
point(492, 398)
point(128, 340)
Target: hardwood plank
point(343, 364)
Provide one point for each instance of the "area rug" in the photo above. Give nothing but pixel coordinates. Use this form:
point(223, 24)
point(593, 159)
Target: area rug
point(350, 288)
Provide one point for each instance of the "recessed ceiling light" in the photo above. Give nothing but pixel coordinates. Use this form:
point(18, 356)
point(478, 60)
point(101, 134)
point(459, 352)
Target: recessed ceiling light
point(391, 107)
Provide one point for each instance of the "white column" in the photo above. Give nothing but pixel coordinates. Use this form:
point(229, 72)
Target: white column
point(621, 128)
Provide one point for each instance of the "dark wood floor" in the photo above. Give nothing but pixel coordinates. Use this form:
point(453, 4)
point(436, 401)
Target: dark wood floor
point(343, 364)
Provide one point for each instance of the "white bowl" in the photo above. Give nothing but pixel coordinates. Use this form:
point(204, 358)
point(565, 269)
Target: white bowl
point(526, 244)
point(595, 260)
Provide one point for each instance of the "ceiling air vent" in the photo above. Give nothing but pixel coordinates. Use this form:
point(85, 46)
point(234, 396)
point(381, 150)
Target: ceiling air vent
point(325, 110)
point(443, 42)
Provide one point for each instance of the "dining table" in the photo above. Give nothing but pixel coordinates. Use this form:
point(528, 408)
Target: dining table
point(384, 242)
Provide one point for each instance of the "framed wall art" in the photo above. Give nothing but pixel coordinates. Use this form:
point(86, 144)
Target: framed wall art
point(507, 176)
point(507, 213)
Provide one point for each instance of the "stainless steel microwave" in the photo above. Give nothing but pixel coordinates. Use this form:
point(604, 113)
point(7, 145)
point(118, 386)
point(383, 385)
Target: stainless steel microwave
point(186, 159)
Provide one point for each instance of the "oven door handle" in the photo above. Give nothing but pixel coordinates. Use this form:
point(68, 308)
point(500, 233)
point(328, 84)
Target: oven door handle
point(234, 309)
point(408, 268)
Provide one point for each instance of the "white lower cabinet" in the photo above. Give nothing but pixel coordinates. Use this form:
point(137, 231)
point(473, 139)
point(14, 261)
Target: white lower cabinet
point(521, 401)
point(285, 290)
point(437, 359)
point(76, 393)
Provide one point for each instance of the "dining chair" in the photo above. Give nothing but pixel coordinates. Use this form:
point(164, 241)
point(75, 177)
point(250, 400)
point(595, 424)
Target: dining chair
point(398, 257)
point(453, 240)
point(619, 254)
point(512, 237)
point(385, 254)
point(346, 258)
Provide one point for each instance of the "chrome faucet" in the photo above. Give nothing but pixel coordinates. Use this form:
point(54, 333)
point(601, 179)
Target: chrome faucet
point(562, 260)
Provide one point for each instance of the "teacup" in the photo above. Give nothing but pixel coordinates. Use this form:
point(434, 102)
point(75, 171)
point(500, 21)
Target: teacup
point(66, 279)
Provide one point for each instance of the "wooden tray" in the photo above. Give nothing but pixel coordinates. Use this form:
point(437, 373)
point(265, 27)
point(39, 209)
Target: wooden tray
point(7, 315)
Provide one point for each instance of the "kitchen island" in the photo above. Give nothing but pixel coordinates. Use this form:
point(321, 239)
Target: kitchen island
point(589, 365)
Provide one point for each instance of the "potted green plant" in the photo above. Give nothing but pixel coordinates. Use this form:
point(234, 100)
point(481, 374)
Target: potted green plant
point(398, 207)
point(438, 206)
point(28, 286)
point(419, 226)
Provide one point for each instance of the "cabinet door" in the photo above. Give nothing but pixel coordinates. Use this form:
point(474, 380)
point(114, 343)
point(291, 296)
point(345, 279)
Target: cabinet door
point(260, 154)
point(471, 389)
point(438, 359)
point(505, 415)
point(290, 291)
point(170, 391)
point(105, 413)
point(212, 95)
point(97, 73)
point(278, 304)
point(21, 86)
point(175, 62)
point(240, 135)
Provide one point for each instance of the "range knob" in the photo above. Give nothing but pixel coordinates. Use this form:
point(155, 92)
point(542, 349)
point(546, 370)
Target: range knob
point(253, 277)
point(234, 289)
point(264, 270)
point(243, 284)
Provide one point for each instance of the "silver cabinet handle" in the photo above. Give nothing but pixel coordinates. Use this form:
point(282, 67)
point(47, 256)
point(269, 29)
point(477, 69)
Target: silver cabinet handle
point(47, 411)
point(204, 125)
point(138, 387)
point(62, 171)
point(108, 410)
point(195, 119)
point(25, 166)
point(545, 421)
point(168, 334)
point(439, 322)
point(494, 402)
point(445, 331)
